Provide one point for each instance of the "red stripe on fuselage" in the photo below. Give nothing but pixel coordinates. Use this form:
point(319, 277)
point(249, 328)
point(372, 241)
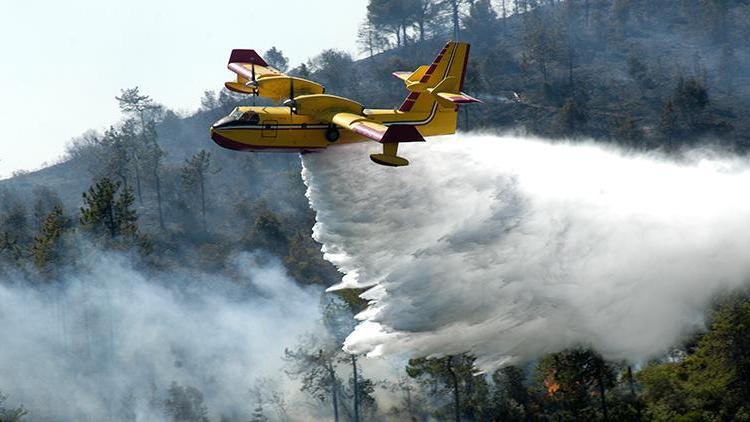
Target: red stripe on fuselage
point(409, 102)
point(225, 142)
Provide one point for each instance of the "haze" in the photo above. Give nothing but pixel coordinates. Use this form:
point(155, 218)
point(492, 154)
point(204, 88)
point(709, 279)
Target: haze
point(63, 63)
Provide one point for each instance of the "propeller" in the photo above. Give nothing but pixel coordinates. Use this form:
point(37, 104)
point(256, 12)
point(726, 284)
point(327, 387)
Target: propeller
point(253, 82)
point(291, 102)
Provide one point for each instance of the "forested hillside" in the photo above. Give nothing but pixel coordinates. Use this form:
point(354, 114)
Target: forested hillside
point(645, 74)
point(641, 74)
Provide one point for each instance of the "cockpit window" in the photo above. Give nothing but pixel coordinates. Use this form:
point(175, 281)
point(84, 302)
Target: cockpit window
point(250, 117)
point(236, 114)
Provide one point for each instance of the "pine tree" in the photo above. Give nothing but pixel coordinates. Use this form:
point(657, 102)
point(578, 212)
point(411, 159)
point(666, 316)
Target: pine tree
point(302, 71)
point(14, 229)
point(394, 16)
point(453, 375)
point(107, 213)
point(276, 58)
point(46, 250)
point(194, 175)
point(268, 233)
point(133, 102)
point(576, 382)
point(482, 20)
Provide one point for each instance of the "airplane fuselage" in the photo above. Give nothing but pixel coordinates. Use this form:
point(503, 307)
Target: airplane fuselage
point(309, 119)
point(277, 129)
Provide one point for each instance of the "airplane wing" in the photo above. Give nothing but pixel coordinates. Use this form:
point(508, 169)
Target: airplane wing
point(349, 115)
point(388, 136)
point(256, 77)
point(376, 131)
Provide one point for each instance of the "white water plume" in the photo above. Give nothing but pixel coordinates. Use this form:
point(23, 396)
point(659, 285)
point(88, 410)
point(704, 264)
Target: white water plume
point(510, 248)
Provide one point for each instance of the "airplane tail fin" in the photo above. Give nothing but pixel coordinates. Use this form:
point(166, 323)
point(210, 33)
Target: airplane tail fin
point(440, 82)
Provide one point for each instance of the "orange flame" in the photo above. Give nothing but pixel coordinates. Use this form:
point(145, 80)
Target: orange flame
point(550, 384)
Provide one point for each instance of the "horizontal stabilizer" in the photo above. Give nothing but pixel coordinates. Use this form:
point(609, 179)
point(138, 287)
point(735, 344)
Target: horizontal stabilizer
point(404, 76)
point(460, 98)
point(412, 77)
point(448, 93)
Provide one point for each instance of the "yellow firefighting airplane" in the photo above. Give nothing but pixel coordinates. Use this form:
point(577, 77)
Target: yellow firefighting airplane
point(310, 120)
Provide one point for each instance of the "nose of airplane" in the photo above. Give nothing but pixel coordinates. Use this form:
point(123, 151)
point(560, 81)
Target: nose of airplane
point(225, 141)
point(223, 122)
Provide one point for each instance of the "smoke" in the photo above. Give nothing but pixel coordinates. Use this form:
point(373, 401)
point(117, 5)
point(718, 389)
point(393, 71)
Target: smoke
point(108, 341)
point(510, 248)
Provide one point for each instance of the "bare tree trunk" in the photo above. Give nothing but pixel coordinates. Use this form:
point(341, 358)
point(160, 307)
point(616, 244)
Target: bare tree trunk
point(124, 180)
point(456, 398)
point(138, 182)
point(370, 42)
point(454, 6)
point(631, 382)
point(335, 392)
point(356, 388)
point(602, 394)
point(157, 180)
point(571, 57)
point(203, 201)
point(409, 405)
point(111, 219)
point(587, 9)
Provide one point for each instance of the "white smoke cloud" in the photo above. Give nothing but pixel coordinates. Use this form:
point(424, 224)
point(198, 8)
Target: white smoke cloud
point(511, 248)
point(109, 340)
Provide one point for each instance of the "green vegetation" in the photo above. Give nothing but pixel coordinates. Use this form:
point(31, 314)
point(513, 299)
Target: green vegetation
point(11, 414)
point(711, 381)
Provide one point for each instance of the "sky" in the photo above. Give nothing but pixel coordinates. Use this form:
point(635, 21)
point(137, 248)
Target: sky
point(64, 62)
